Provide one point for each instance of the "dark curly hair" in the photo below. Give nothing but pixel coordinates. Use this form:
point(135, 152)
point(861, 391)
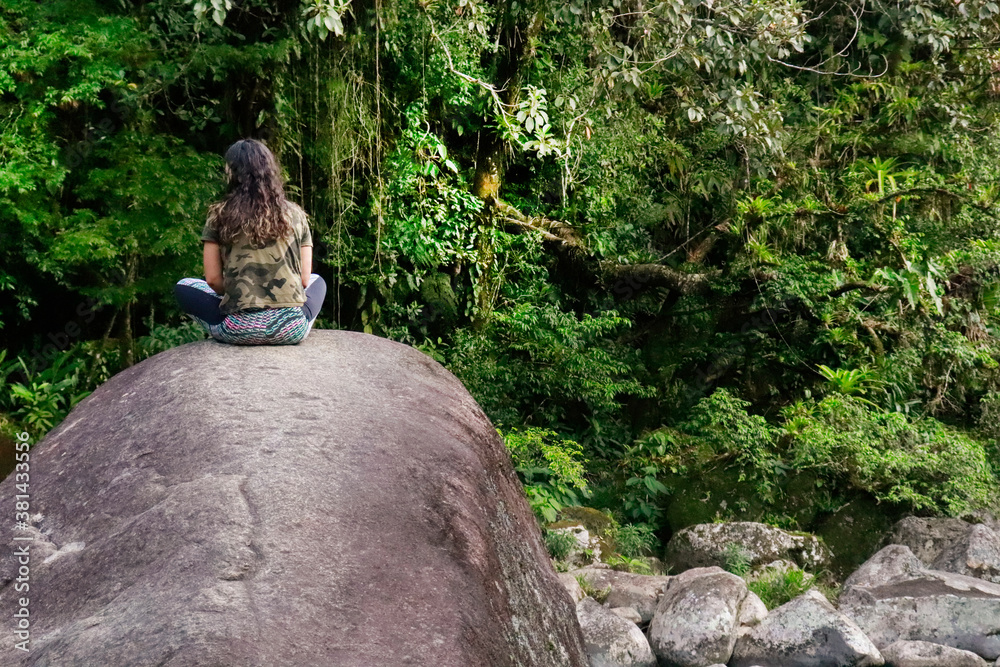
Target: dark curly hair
point(254, 203)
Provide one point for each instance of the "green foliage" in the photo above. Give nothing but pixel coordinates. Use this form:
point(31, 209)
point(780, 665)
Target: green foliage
point(634, 540)
point(162, 337)
point(989, 418)
point(850, 381)
point(846, 444)
point(623, 563)
point(560, 544)
point(551, 469)
point(431, 213)
point(44, 398)
point(777, 585)
point(598, 594)
point(736, 558)
point(722, 425)
point(922, 463)
point(535, 358)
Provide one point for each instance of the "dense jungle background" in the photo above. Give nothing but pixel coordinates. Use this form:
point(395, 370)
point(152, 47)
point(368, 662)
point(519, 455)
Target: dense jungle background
point(697, 259)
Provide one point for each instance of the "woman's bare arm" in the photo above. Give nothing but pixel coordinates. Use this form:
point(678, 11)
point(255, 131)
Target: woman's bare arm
point(306, 255)
point(212, 257)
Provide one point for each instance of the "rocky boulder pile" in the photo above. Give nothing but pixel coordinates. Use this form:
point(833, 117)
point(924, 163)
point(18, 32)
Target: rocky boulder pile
point(895, 610)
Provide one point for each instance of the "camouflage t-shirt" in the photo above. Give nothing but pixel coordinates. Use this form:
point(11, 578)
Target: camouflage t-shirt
point(268, 276)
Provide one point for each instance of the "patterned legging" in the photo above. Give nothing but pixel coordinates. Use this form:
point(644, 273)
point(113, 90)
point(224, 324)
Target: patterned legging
point(257, 326)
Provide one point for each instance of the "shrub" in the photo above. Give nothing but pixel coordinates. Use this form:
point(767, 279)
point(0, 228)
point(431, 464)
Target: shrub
point(736, 559)
point(626, 564)
point(921, 463)
point(560, 544)
point(551, 469)
point(634, 539)
point(776, 586)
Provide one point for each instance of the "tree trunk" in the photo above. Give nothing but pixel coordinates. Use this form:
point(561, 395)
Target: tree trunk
point(512, 55)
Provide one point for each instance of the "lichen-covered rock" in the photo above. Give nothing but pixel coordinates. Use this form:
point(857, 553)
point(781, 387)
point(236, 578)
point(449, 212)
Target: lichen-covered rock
point(594, 520)
point(752, 611)
point(889, 563)
point(706, 545)
point(598, 536)
point(638, 591)
point(697, 618)
point(976, 554)
point(572, 586)
point(627, 613)
point(806, 632)
point(343, 502)
point(938, 607)
point(587, 548)
point(655, 564)
point(926, 654)
point(927, 538)
point(952, 545)
point(610, 640)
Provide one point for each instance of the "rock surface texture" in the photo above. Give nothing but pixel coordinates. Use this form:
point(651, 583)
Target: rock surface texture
point(697, 618)
point(927, 605)
point(976, 554)
point(612, 641)
point(806, 632)
point(952, 545)
point(927, 537)
point(925, 654)
point(340, 502)
point(705, 545)
point(640, 592)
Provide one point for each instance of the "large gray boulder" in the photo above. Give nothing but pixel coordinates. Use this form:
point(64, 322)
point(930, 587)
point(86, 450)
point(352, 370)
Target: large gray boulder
point(928, 537)
point(697, 619)
point(976, 554)
point(709, 544)
point(806, 632)
point(926, 654)
point(926, 605)
point(340, 502)
point(612, 641)
point(952, 545)
point(889, 563)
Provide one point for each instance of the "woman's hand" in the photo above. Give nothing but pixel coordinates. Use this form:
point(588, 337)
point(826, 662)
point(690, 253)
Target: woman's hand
point(212, 256)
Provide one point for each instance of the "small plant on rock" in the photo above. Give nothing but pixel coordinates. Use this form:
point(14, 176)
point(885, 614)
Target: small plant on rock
point(776, 586)
point(634, 539)
point(599, 594)
point(625, 564)
point(560, 544)
point(736, 559)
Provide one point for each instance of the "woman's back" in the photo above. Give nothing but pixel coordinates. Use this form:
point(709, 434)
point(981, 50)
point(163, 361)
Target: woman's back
point(263, 276)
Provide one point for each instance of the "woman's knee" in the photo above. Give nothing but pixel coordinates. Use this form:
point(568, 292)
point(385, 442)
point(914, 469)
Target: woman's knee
point(317, 288)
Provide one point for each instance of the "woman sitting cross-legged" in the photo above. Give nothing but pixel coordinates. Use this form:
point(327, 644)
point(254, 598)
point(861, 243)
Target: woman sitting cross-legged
point(258, 287)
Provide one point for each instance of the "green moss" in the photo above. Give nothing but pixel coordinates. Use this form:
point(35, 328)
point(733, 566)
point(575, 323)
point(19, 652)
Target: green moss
point(599, 594)
point(595, 521)
point(854, 532)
